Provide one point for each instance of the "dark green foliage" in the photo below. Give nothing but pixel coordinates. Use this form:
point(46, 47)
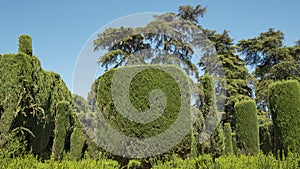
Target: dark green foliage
point(28, 97)
point(140, 88)
point(266, 132)
point(62, 126)
point(228, 139)
point(25, 45)
point(272, 61)
point(78, 140)
point(247, 126)
point(284, 100)
point(122, 42)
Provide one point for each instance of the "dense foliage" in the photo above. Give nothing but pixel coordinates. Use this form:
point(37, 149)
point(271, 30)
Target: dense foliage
point(28, 97)
point(247, 126)
point(284, 98)
point(257, 161)
point(39, 129)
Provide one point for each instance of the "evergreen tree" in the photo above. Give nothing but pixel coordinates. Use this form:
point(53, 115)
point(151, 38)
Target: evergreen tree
point(271, 60)
point(247, 131)
point(235, 74)
point(284, 99)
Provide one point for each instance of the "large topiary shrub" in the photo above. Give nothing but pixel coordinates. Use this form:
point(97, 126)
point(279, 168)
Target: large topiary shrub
point(150, 79)
point(284, 100)
point(247, 126)
point(28, 97)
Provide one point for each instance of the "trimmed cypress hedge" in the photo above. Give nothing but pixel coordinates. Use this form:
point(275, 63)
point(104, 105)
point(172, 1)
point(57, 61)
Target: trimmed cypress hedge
point(62, 126)
point(247, 131)
point(284, 100)
point(78, 140)
point(228, 139)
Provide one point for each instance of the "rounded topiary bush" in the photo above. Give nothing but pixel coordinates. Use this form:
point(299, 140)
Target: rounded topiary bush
point(141, 96)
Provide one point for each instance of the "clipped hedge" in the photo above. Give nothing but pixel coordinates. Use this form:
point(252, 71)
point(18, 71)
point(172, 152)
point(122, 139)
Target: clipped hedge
point(141, 87)
point(78, 140)
point(25, 45)
point(247, 131)
point(62, 126)
point(284, 100)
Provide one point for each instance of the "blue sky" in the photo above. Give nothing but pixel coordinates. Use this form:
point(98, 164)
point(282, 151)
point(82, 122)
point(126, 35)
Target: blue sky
point(60, 28)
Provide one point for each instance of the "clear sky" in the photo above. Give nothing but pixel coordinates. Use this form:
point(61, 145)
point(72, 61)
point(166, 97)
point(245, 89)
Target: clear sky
point(60, 28)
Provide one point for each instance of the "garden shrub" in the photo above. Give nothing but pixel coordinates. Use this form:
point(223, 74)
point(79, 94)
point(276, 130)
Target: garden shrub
point(247, 131)
point(284, 100)
point(62, 126)
point(141, 86)
point(28, 97)
point(78, 141)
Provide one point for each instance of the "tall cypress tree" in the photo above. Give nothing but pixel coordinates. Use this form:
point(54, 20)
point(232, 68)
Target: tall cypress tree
point(247, 126)
point(284, 99)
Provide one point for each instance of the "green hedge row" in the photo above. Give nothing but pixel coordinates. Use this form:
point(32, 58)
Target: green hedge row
point(256, 161)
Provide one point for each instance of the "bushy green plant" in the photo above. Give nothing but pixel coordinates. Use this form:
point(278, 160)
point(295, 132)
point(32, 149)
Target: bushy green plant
point(284, 100)
point(247, 126)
